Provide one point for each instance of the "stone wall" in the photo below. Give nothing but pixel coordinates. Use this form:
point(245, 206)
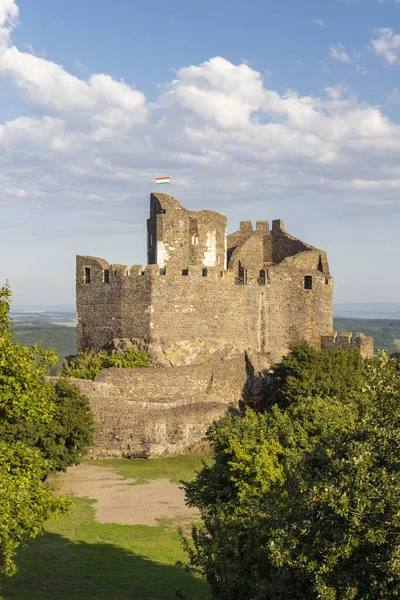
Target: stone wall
point(111, 301)
point(260, 302)
point(361, 342)
point(177, 237)
point(158, 411)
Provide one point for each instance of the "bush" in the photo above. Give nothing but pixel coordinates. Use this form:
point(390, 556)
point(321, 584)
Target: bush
point(304, 501)
point(87, 364)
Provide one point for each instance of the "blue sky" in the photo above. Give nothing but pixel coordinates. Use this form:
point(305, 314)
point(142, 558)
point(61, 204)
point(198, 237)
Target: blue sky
point(261, 110)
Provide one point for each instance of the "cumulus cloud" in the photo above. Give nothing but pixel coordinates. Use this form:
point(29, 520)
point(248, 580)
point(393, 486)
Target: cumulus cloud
point(97, 141)
point(338, 53)
point(386, 44)
point(8, 20)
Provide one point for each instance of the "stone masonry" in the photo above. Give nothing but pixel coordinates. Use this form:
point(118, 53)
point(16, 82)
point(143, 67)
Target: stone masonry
point(208, 305)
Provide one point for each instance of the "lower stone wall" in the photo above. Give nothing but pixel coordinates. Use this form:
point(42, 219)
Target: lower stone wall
point(161, 411)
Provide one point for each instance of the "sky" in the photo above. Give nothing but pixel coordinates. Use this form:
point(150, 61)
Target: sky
point(258, 109)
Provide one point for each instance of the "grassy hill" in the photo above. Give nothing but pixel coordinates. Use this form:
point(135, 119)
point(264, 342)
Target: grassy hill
point(60, 337)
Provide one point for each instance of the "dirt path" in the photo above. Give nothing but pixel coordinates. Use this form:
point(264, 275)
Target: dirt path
point(119, 500)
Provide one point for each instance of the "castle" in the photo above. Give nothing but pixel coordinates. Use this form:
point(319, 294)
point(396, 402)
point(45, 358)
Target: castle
point(214, 312)
point(256, 289)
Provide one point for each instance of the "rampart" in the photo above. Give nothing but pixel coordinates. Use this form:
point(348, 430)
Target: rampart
point(158, 411)
point(361, 342)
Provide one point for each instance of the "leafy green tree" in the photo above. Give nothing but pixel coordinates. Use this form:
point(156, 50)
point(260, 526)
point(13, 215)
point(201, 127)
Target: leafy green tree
point(67, 436)
point(302, 502)
point(86, 365)
point(308, 372)
point(25, 502)
point(341, 528)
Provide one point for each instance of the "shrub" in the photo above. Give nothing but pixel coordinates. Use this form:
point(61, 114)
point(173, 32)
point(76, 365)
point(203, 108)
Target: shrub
point(87, 364)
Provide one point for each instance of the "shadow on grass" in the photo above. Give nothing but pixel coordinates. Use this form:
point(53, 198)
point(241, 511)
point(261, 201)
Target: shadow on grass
point(57, 568)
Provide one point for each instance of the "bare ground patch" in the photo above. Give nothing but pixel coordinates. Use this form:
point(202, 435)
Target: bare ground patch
point(119, 500)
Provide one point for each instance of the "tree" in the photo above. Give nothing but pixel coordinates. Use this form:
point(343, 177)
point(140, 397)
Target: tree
point(66, 437)
point(308, 372)
point(24, 398)
point(303, 501)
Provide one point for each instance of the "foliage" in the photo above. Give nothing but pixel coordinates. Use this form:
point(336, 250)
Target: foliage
point(307, 372)
point(87, 364)
point(303, 502)
point(24, 398)
point(66, 437)
point(25, 502)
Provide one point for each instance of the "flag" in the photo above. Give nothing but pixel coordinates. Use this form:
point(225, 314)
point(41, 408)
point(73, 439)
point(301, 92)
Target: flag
point(160, 180)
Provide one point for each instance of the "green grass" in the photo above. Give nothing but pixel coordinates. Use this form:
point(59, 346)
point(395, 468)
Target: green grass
point(80, 558)
point(174, 468)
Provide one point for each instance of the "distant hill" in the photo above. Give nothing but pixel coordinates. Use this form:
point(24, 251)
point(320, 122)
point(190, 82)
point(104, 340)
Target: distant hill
point(368, 310)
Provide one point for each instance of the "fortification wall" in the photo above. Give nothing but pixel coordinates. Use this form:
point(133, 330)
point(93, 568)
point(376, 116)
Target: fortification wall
point(361, 342)
point(111, 302)
point(155, 412)
point(267, 315)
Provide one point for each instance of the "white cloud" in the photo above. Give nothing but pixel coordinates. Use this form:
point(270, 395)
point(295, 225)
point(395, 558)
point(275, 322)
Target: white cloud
point(386, 44)
point(319, 22)
point(8, 20)
point(98, 142)
point(338, 53)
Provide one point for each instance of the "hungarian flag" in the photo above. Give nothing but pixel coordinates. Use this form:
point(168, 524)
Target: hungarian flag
point(160, 180)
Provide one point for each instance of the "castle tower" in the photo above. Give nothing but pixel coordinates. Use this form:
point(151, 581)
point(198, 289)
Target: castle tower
point(178, 238)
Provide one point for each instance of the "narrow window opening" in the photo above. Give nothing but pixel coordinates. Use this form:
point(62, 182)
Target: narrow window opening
point(308, 282)
point(185, 272)
point(241, 278)
point(204, 272)
point(163, 271)
point(87, 275)
point(195, 240)
point(106, 275)
point(261, 279)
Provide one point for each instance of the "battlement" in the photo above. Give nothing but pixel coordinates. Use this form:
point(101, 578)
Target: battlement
point(258, 288)
point(363, 343)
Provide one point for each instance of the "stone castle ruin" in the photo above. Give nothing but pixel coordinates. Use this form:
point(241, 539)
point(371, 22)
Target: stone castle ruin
point(212, 310)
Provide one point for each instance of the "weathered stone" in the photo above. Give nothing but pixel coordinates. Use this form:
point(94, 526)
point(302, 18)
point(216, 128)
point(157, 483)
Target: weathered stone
point(216, 310)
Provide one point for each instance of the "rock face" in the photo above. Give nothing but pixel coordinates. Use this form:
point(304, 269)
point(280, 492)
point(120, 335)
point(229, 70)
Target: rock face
point(161, 411)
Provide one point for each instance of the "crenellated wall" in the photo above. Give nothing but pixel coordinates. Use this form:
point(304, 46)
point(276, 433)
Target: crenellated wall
point(361, 342)
point(261, 290)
